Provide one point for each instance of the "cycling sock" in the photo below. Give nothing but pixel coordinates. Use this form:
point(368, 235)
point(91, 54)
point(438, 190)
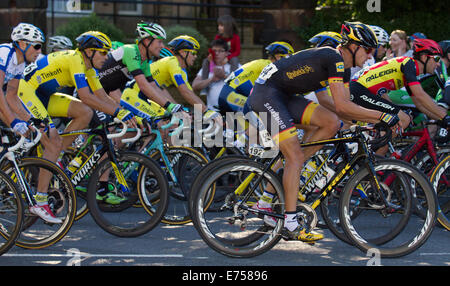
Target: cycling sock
point(41, 198)
point(290, 220)
point(265, 201)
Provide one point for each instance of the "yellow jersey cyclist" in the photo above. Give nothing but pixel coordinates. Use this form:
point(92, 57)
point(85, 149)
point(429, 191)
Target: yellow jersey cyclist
point(370, 86)
point(128, 62)
point(26, 46)
point(38, 91)
point(239, 83)
point(170, 71)
point(275, 94)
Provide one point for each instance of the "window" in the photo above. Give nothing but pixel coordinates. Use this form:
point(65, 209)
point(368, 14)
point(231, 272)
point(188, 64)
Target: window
point(70, 7)
point(131, 8)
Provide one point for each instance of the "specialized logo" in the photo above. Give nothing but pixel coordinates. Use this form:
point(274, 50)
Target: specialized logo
point(300, 71)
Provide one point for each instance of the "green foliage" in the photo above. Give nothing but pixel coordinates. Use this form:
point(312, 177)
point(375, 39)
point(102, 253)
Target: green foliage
point(426, 16)
point(177, 30)
point(77, 26)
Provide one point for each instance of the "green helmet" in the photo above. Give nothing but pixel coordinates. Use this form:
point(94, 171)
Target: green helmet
point(145, 30)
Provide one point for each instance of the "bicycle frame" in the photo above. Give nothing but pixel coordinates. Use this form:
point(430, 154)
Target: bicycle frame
point(363, 154)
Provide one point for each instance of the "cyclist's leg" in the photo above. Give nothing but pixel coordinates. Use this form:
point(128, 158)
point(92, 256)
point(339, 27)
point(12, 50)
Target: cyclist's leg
point(63, 105)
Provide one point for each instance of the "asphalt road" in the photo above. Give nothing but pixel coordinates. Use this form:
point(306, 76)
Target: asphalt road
point(88, 245)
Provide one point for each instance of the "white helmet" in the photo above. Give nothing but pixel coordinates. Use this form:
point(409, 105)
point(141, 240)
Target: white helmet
point(27, 32)
point(145, 30)
point(59, 43)
point(382, 35)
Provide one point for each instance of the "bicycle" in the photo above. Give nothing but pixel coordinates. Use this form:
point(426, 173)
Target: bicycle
point(239, 231)
point(24, 171)
point(127, 173)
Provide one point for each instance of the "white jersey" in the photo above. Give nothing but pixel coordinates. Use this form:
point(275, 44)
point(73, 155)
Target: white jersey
point(8, 63)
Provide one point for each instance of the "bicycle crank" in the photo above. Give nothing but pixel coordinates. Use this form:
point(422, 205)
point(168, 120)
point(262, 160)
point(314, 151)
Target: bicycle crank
point(306, 216)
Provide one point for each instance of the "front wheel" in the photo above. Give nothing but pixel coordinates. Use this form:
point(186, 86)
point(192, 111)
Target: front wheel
point(119, 211)
point(440, 180)
point(385, 209)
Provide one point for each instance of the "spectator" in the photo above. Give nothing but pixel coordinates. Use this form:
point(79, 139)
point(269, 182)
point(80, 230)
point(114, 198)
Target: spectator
point(398, 45)
point(218, 69)
point(228, 31)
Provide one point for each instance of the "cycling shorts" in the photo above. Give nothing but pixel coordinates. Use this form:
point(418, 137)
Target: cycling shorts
point(363, 97)
point(41, 107)
point(230, 100)
point(285, 110)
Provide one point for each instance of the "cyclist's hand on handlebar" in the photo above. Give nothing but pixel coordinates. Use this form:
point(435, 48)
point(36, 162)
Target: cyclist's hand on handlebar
point(444, 122)
point(20, 127)
point(390, 119)
point(127, 117)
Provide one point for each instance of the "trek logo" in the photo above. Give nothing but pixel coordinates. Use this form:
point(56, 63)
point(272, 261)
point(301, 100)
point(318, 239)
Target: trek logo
point(380, 74)
point(85, 169)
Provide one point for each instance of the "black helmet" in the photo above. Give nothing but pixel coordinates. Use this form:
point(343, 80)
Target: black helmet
point(359, 34)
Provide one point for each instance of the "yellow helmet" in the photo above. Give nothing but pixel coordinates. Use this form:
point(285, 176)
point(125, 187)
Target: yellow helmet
point(184, 42)
point(94, 40)
point(279, 48)
point(326, 38)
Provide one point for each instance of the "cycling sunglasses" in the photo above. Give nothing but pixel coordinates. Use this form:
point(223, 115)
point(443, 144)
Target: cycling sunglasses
point(368, 50)
point(101, 51)
point(193, 52)
point(435, 58)
point(36, 46)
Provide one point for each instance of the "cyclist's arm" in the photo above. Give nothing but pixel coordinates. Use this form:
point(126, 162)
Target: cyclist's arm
point(166, 94)
point(149, 90)
point(99, 100)
point(325, 100)
point(425, 104)
point(7, 114)
point(346, 109)
point(199, 83)
point(190, 96)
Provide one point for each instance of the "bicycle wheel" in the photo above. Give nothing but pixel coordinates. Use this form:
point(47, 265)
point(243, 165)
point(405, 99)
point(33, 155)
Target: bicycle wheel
point(36, 233)
point(236, 230)
point(81, 187)
point(440, 180)
point(11, 213)
point(386, 214)
point(186, 164)
point(128, 218)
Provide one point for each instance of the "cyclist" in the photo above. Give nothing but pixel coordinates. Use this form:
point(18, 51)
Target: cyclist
point(372, 83)
point(443, 96)
point(27, 41)
point(170, 71)
point(59, 43)
point(239, 83)
point(129, 62)
point(305, 71)
point(38, 91)
point(383, 41)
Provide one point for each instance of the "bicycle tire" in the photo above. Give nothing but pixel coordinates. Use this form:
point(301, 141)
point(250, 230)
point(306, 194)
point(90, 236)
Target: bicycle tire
point(214, 230)
point(36, 233)
point(442, 190)
point(186, 163)
point(11, 213)
point(128, 219)
point(359, 231)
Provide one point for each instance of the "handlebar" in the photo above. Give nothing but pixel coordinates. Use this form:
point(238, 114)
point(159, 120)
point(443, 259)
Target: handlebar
point(174, 120)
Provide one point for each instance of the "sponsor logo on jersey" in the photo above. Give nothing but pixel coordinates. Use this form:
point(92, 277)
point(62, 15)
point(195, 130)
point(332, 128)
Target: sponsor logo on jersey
point(381, 74)
point(300, 71)
point(340, 67)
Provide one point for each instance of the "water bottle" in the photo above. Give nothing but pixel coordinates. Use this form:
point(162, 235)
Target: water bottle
point(73, 165)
